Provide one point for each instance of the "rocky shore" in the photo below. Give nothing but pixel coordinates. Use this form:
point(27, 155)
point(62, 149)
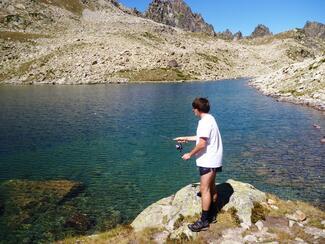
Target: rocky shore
point(300, 83)
point(246, 215)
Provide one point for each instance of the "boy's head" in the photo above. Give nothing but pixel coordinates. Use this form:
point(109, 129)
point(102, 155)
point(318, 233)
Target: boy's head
point(201, 104)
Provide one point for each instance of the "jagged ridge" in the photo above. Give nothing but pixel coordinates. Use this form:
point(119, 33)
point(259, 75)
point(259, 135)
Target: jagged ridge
point(177, 14)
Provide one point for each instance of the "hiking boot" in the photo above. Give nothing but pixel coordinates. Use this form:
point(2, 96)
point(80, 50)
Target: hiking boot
point(199, 225)
point(212, 219)
point(213, 213)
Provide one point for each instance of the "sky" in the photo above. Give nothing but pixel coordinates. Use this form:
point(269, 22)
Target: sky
point(245, 15)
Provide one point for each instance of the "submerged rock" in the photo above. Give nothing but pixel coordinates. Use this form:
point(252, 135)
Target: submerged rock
point(80, 222)
point(30, 205)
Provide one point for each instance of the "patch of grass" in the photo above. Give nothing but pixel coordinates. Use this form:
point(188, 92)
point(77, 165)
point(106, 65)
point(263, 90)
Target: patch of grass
point(314, 215)
point(299, 232)
point(156, 74)
point(282, 236)
point(13, 18)
point(120, 234)
point(25, 67)
point(74, 6)
point(200, 35)
point(210, 58)
point(234, 217)
point(259, 212)
point(269, 39)
point(20, 70)
point(188, 219)
point(21, 36)
point(293, 91)
point(152, 37)
point(298, 53)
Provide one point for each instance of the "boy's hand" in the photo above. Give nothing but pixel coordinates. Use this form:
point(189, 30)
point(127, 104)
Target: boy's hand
point(186, 156)
point(181, 139)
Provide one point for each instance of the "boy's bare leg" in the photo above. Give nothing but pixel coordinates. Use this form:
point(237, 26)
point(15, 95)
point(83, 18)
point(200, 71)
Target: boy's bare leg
point(213, 190)
point(206, 182)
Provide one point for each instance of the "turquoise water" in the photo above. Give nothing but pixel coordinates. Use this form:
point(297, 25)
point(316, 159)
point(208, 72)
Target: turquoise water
point(116, 139)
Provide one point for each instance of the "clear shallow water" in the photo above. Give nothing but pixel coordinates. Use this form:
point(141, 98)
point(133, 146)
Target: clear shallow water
point(117, 140)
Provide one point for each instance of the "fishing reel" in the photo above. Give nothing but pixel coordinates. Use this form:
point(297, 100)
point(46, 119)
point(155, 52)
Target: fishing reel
point(179, 147)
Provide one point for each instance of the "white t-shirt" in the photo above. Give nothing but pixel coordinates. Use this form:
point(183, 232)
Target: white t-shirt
point(211, 156)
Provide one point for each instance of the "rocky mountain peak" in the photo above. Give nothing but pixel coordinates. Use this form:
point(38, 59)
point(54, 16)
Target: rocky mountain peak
point(178, 14)
point(226, 35)
point(238, 35)
point(260, 31)
point(314, 29)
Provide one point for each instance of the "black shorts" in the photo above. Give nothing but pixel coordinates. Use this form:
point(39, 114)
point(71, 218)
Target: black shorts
point(204, 170)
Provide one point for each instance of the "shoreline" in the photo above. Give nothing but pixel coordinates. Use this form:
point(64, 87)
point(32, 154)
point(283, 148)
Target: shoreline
point(318, 105)
point(247, 215)
point(121, 82)
point(301, 83)
point(292, 100)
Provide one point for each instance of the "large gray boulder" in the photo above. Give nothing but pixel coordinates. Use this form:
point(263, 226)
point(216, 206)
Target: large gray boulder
point(167, 212)
point(243, 200)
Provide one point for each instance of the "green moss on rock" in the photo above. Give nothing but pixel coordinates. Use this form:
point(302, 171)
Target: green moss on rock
point(156, 74)
point(258, 212)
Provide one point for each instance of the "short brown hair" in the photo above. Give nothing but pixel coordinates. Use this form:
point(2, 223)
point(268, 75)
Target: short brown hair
point(201, 104)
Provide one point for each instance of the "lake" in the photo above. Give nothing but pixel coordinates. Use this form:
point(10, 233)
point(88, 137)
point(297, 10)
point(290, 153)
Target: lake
point(117, 140)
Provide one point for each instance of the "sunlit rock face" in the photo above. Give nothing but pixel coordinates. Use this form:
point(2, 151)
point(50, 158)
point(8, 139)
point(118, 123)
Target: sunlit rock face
point(178, 14)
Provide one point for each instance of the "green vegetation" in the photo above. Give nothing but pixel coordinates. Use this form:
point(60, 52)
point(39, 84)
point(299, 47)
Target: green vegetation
point(20, 70)
point(152, 37)
point(233, 216)
point(20, 36)
point(298, 53)
point(13, 18)
point(269, 39)
point(120, 234)
point(25, 67)
point(156, 74)
point(225, 220)
point(74, 6)
point(188, 219)
point(259, 212)
point(200, 35)
point(210, 58)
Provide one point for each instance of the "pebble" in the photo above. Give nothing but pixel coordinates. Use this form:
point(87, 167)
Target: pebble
point(316, 126)
point(259, 224)
point(322, 140)
point(297, 216)
point(250, 238)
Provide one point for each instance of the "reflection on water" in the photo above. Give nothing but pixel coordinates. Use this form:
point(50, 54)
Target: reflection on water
point(116, 139)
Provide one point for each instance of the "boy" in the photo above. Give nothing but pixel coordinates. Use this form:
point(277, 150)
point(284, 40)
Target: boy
point(208, 152)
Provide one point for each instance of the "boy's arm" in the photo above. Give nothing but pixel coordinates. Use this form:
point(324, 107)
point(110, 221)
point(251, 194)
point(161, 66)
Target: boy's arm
point(184, 139)
point(200, 146)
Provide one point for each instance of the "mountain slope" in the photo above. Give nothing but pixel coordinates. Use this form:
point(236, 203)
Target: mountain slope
point(108, 43)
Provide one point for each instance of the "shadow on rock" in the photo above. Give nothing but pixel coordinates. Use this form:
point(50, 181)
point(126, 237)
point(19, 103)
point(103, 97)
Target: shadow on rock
point(224, 191)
